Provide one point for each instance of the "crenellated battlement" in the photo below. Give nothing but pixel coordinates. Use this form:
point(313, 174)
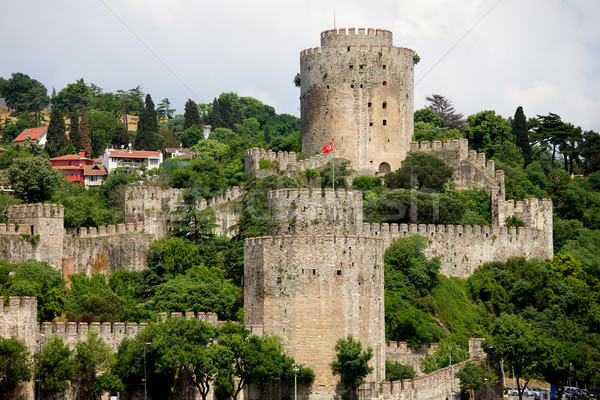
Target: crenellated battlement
point(108, 230)
point(309, 211)
point(349, 36)
point(471, 169)
point(31, 211)
point(208, 317)
point(533, 212)
point(268, 241)
point(283, 161)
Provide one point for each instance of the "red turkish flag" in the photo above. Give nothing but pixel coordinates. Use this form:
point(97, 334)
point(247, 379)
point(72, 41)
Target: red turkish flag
point(328, 147)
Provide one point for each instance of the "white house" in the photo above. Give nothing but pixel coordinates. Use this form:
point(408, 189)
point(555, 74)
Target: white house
point(112, 159)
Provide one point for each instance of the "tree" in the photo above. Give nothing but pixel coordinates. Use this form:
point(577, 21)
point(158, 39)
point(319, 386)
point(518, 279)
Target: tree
point(164, 109)
point(58, 366)
point(191, 136)
point(520, 130)
point(519, 346)
point(191, 115)
point(34, 101)
point(74, 133)
point(72, 97)
point(422, 171)
point(551, 131)
point(351, 363)
point(33, 179)
point(395, 371)
point(56, 138)
point(147, 137)
point(84, 133)
point(93, 356)
point(191, 223)
point(14, 364)
point(20, 90)
point(591, 151)
point(342, 170)
point(445, 110)
point(428, 116)
point(471, 378)
point(487, 131)
point(121, 137)
point(101, 306)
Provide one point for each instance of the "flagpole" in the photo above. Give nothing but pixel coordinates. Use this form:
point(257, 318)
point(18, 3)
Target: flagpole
point(333, 163)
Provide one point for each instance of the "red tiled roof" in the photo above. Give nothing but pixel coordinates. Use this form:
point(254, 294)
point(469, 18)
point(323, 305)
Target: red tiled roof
point(33, 133)
point(69, 157)
point(94, 170)
point(133, 153)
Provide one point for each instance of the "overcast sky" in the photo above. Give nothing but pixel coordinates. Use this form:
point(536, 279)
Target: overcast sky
point(482, 54)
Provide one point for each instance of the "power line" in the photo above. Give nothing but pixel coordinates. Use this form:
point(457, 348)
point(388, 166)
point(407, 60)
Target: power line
point(150, 50)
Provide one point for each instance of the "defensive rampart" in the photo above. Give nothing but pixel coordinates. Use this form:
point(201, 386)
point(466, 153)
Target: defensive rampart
point(153, 205)
point(310, 211)
point(471, 170)
point(404, 354)
point(289, 285)
point(284, 162)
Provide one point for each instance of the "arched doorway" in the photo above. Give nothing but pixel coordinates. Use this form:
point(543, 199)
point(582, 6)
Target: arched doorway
point(384, 168)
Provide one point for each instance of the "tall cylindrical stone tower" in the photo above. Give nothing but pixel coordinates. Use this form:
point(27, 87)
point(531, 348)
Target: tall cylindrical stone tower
point(357, 90)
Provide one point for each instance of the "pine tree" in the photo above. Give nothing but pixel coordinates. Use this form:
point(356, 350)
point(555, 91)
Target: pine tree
point(191, 115)
point(74, 134)
point(120, 136)
point(84, 132)
point(444, 109)
point(520, 130)
point(147, 137)
point(56, 138)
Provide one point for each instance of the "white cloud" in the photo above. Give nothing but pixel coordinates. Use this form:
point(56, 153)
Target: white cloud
point(542, 54)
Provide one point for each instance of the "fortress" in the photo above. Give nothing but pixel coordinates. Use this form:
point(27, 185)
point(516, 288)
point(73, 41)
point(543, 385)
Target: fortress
point(318, 275)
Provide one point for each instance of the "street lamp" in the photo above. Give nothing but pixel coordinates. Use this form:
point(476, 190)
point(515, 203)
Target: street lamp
point(487, 381)
point(451, 370)
point(39, 388)
point(296, 369)
point(279, 379)
point(145, 381)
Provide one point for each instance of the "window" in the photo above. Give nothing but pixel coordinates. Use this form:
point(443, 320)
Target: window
point(339, 272)
point(384, 122)
point(384, 66)
point(370, 124)
point(384, 105)
point(361, 66)
point(384, 83)
point(350, 66)
point(352, 86)
point(348, 48)
point(369, 104)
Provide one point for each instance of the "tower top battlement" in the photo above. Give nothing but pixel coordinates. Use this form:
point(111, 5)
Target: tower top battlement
point(354, 36)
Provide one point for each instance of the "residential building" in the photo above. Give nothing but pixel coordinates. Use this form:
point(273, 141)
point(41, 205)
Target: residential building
point(94, 175)
point(127, 158)
point(178, 152)
point(73, 166)
point(38, 135)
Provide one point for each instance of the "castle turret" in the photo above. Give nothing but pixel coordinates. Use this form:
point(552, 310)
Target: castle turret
point(357, 89)
point(313, 290)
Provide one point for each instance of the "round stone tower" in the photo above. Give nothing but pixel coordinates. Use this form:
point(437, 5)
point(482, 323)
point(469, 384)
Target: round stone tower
point(357, 90)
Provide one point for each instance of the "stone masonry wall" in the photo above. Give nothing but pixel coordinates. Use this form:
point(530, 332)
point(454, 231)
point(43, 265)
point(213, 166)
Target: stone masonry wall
point(284, 162)
point(471, 170)
point(310, 211)
point(404, 354)
point(152, 205)
point(313, 290)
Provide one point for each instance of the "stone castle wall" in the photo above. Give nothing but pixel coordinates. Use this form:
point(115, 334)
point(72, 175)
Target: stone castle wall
point(289, 285)
point(152, 205)
point(471, 170)
point(310, 211)
point(357, 90)
point(285, 163)
point(461, 248)
point(404, 354)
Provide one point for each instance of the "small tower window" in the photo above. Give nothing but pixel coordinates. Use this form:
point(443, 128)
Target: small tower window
point(348, 48)
point(314, 271)
point(352, 86)
point(339, 272)
point(384, 66)
point(361, 66)
point(350, 66)
point(370, 124)
point(384, 122)
point(369, 104)
point(384, 83)
point(384, 105)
